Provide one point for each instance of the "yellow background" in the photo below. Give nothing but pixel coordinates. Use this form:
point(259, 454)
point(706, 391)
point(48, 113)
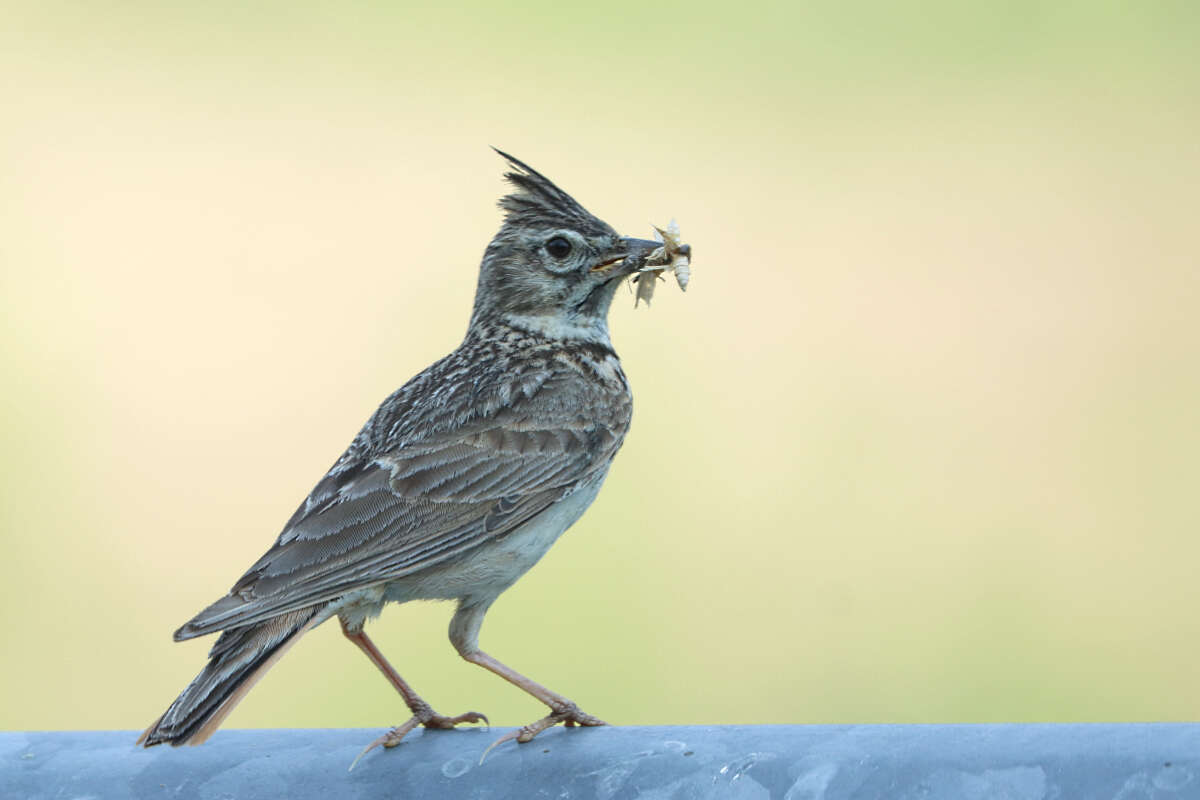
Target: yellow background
point(919, 444)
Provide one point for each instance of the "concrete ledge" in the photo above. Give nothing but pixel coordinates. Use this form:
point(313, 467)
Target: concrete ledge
point(791, 762)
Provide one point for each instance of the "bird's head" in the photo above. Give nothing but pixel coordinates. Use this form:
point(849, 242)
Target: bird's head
point(553, 267)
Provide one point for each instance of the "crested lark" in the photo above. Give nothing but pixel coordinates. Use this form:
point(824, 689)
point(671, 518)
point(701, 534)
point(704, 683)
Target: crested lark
point(458, 483)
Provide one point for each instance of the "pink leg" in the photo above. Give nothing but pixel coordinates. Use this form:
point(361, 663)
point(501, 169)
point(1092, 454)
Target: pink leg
point(464, 634)
point(423, 713)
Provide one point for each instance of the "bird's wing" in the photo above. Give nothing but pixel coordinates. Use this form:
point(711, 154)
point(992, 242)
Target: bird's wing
point(373, 520)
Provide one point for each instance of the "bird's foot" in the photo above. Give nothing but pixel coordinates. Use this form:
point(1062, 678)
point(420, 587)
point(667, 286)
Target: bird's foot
point(424, 716)
point(569, 715)
point(438, 722)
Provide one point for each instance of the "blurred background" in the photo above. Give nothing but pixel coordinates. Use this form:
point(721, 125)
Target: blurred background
point(919, 444)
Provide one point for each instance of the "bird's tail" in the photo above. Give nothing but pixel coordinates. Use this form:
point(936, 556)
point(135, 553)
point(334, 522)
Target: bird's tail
point(238, 659)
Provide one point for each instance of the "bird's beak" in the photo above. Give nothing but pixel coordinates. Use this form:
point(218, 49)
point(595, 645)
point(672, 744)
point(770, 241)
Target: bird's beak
point(627, 257)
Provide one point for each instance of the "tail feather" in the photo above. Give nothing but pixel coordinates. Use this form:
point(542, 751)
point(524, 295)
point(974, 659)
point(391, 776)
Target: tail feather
point(240, 657)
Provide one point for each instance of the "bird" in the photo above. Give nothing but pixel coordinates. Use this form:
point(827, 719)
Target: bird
point(459, 482)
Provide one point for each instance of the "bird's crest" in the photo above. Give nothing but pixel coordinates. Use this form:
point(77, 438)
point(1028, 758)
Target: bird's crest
point(537, 201)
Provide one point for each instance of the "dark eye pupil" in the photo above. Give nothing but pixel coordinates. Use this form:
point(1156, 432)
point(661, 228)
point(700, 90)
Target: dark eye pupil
point(558, 247)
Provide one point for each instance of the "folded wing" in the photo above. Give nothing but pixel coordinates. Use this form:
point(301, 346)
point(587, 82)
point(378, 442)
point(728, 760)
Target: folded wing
point(373, 520)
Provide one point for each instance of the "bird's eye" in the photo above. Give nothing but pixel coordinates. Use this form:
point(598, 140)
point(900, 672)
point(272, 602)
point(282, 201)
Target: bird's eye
point(558, 247)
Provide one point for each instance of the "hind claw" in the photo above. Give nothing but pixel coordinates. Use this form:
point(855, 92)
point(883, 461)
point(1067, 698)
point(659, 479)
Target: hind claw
point(569, 716)
point(430, 720)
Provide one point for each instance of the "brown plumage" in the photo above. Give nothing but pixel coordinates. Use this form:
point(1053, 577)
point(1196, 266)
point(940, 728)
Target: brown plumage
point(459, 482)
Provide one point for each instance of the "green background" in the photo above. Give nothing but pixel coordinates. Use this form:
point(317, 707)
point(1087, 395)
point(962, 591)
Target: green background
point(919, 444)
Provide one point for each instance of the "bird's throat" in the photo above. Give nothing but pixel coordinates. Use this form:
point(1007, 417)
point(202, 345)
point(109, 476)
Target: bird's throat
point(571, 328)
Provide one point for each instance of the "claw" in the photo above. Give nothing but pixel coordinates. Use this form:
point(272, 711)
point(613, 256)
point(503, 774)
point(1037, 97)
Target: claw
point(570, 717)
point(432, 721)
point(505, 738)
point(439, 722)
point(389, 739)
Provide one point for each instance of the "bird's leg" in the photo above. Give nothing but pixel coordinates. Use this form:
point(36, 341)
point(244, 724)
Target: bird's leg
point(464, 635)
point(561, 709)
point(423, 713)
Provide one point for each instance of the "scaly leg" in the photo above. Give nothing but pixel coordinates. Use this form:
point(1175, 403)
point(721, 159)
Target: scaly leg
point(423, 713)
point(464, 635)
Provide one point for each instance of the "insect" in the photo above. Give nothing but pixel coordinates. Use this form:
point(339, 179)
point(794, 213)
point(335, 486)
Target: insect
point(672, 256)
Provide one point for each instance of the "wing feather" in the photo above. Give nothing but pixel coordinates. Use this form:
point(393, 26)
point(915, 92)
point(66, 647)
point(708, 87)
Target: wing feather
point(410, 509)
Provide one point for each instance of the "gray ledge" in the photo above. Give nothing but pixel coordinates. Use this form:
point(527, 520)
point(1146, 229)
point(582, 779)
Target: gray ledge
point(791, 762)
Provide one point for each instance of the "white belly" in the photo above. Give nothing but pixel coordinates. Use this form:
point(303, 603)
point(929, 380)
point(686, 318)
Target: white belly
point(488, 570)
